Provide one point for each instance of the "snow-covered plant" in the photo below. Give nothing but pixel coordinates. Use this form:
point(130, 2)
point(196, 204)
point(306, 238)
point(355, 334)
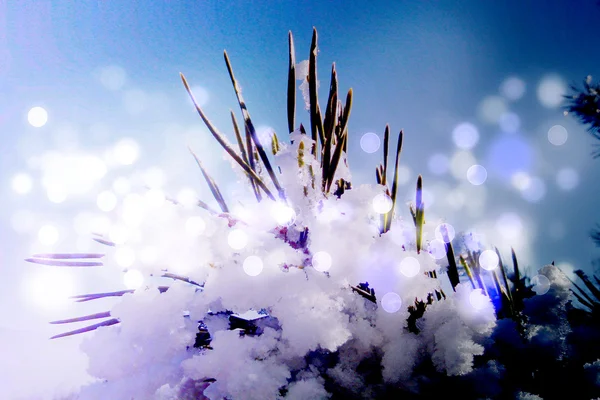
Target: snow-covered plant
point(274, 297)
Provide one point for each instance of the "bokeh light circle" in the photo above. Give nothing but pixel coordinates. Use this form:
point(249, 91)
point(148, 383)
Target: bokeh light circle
point(478, 299)
point(488, 259)
point(557, 135)
point(551, 91)
point(391, 302)
point(509, 225)
point(382, 203)
point(237, 239)
point(253, 265)
point(195, 226)
point(133, 279)
point(370, 142)
point(438, 164)
point(410, 266)
point(512, 88)
point(445, 232)
point(22, 183)
point(48, 235)
point(37, 117)
point(465, 136)
point(541, 284)
point(437, 249)
point(535, 191)
point(477, 174)
point(567, 178)
point(321, 261)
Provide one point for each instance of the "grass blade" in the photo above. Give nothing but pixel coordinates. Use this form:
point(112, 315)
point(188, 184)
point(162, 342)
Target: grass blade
point(93, 296)
point(395, 182)
point(60, 263)
point(464, 264)
point(90, 328)
point(386, 148)
point(244, 154)
point(219, 137)
point(452, 268)
point(586, 281)
point(212, 185)
point(84, 318)
point(504, 277)
point(316, 125)
point(68, 256)
point(180, 278)
point(291, 89)
point(419, 213)
point(250, 126)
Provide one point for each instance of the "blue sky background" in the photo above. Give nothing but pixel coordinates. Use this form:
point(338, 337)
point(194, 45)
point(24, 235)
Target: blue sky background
point(422, 66)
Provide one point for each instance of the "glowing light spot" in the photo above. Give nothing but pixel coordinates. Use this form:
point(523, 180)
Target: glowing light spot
point(22, 183)
point(478, 300)
point(492, 108)
point(403, 175)
point(135, 101)
point(512, 88)
point(265, 135)
point(154, 177)
point(445, 233)
point(37, 117)
point(187, 197)
point(283, 214)
point(106, 201)
point(321, 261)
point(460, 163)
point(535, 191)
point(509, 225)
point(148, 255)
point(50, 288)
point(155, 198)
point(509, 154)
point(567, 179)
point(237, 239)
point(391, 302)
point(121, 185)
point(557, 135)
point(124, 256)
point(56, 194)
point(456, 199)
point(119, 234)
point(22, 221)
point(551, 90)
point(510, 122)
point(126, 151)
point(437, 249)
point(541, 284)
point(195, 226)
point(409, 267)
point(133, 279)
point(113, 77)
point(521, 180)
point(201, 95)
point(476, 174)
point(488, 259)
point(370, 142)
point(48, 235)
point(382, 203)
point(133, 209)
point(439, 164)
point(465, 136)
point(253, 265)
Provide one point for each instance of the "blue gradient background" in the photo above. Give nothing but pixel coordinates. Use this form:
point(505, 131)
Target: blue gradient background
point(422, 66)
